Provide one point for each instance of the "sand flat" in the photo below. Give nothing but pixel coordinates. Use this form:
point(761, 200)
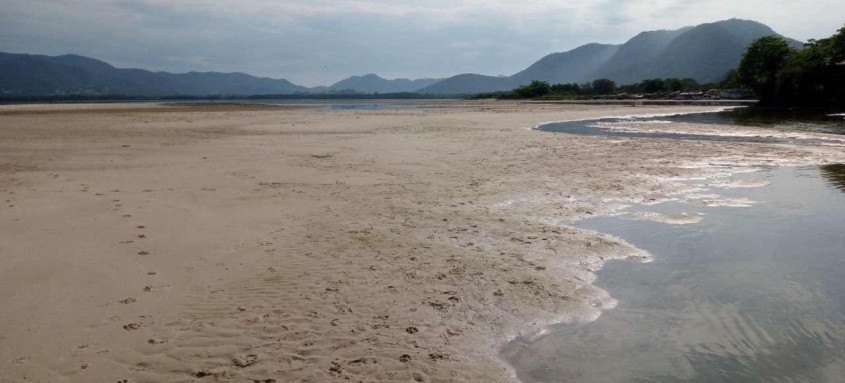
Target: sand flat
point(160, 243)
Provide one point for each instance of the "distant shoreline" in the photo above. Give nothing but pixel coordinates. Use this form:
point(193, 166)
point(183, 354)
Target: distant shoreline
point(213, 98)
point(651, 102)
point(374, 97)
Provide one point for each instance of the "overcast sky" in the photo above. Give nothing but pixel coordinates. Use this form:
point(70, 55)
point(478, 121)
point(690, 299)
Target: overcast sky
point(317, 42)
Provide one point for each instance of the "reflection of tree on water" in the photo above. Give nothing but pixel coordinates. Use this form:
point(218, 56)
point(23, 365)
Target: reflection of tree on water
point(812, 120)
point(835, 175)
point(819, 120)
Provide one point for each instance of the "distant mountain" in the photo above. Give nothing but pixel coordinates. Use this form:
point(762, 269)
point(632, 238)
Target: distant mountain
point(634, 56)
point(372, 83)
point(23, 74)
point(704, 52)
point(470, 83)
point(564, 67)
point(572, 66)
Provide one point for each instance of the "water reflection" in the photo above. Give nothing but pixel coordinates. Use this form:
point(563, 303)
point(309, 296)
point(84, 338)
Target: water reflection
point(835, 175)
point(757, 116)
point(813, 120)
point(777, 120)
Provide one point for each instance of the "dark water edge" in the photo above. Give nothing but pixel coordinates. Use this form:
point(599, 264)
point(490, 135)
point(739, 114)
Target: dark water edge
point(760, 116)
point(823, 120)
point(752, 294)
point(829, 121)
point(834, 174)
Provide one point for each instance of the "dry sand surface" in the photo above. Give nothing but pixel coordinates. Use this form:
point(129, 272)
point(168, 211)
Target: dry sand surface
point(155, 243)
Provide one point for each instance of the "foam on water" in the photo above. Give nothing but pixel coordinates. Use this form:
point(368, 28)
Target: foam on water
point(740, 295)
point(724, 238)
point(707, 126)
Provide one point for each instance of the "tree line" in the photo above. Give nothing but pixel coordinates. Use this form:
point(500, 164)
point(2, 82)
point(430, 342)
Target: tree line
point(777, 73)
point(784, 76)
point(600, 87)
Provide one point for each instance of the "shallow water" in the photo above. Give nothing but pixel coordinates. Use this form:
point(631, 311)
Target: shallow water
point(811, 120)
point(750, 294)
point(779, 124)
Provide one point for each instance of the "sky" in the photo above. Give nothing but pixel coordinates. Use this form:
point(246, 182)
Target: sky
point(317, 42)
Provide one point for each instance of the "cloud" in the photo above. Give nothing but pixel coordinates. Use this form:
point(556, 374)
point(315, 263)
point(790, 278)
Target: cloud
point(320, 41)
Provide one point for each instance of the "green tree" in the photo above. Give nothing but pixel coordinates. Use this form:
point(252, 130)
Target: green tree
point(533, 90)
point(603, 86)
point(731, 80)
point(566, 89)
point(762, 62)
point(689, 84)
point(653, 85)
point(780, 75)
point(813, 76)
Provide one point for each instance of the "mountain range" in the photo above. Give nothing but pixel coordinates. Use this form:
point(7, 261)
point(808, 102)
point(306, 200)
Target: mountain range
point(23, 74)
point(372, 83)
point(704, 52)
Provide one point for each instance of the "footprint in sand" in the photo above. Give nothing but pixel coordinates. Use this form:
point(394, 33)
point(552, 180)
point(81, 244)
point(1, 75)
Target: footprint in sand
point(437, 356)
point(245, 360)
point(214, 372)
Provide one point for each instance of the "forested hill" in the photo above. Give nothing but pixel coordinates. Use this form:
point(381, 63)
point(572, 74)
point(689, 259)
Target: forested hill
point(372, 83)
point(24, 74)
point(704, 52)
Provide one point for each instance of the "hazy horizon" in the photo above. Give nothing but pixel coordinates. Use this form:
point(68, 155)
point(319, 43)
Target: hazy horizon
point(320, 42)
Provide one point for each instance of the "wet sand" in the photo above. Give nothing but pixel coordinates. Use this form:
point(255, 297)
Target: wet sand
point(247, 243)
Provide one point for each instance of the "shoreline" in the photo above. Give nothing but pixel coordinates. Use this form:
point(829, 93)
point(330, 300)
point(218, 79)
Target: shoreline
point(635, 115)
point(712, 183)
point(298, 215)
point(651, 102)
point(695, 316)
point(637, 254)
